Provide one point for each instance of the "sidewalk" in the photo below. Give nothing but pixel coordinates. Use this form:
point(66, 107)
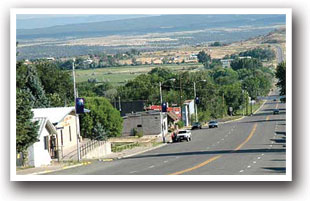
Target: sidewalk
point(56, 166)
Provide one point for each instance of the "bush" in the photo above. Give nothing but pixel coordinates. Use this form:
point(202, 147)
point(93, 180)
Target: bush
point(180, 124)
point(102, 114)
point(137, 133)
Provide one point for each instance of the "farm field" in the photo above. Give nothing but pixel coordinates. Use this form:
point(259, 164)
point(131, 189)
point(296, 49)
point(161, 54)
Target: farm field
point(119, 75)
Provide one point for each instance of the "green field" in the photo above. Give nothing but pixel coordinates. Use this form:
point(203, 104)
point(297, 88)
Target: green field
point(119, 75)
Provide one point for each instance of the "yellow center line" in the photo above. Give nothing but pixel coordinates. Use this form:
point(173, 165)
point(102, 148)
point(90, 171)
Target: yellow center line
point(248, 138)
point(219, 156)
point(197, 166)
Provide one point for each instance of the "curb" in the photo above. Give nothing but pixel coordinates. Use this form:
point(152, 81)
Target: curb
point(140, 152)
point(62, 168)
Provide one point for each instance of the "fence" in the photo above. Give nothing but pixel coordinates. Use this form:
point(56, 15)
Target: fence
point(89, 146)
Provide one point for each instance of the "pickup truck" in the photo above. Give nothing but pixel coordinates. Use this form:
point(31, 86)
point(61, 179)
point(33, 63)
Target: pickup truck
point(182, 135)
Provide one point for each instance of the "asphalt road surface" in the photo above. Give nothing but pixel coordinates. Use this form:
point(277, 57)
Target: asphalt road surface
point(279, 54)
point(254, 145)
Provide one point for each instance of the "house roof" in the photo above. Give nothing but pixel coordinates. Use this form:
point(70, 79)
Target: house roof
point(188, 101)
point(54, 114)
point(173, 116)
point(43, 121)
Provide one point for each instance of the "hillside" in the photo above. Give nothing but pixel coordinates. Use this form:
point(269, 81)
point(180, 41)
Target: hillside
point(154, 33)
point(154, 24)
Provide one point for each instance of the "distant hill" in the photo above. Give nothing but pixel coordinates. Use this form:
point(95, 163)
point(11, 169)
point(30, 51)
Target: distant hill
point(153, 24)
point(42, 21)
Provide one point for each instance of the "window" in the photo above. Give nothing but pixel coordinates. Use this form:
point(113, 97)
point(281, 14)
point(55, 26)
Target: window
point(70, 133)
point(62, 138)
point(139, 125)
point(45, 142)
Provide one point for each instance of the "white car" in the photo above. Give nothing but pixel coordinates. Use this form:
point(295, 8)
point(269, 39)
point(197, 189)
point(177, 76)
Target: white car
point(184, 135)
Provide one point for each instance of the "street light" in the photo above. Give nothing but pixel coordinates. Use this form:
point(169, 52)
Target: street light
point(76, 115)
point(161, 104)
point(195, 98)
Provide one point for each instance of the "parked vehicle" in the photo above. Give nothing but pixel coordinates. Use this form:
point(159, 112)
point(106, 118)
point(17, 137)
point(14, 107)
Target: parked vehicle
point(276, 111)
point(213, 124)
point(196, 125)
point(182, 135)
point(283, 100)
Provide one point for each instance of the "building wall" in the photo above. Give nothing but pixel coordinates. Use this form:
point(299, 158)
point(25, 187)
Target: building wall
point(37, 154)
point(67, 136)
point(99, 152)
point(149, 124)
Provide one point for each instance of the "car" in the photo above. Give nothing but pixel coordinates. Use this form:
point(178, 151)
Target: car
point(182, 135)
point(196, 125)
point(283, 100)
point(275, 99)
point(276, 111)
point(213, 124)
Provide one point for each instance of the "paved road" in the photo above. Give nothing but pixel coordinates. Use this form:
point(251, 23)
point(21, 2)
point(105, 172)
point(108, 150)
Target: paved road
point(279, 54)
point(251, 146)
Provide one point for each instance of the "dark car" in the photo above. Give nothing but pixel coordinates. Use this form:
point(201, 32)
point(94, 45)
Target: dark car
point(213, 124)
point(276, 111)
point(196, 125)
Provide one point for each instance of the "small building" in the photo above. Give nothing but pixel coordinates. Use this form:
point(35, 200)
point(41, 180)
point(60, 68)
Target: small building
point(57, 144)
point(39, 153)
point(226, 63)
point(148, 123)
point(188, 109)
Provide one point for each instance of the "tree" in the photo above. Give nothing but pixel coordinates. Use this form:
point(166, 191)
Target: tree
point(27, 79)
point(251, 64)
point(251, 84)
point(225, 76)
point(99, 132)
point(204, 58)
point(281, 75)
point(259, 53)
point(102, 116)
point(56, 83)
point(233, 95)
point(26, 129)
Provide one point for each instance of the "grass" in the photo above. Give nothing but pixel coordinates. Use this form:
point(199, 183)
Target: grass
point(119, 75)
point(120, 146)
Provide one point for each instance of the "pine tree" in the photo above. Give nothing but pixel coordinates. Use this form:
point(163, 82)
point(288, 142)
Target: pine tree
point(26, 129)
point(38, 96)
point(99, 132)
point(27, 79)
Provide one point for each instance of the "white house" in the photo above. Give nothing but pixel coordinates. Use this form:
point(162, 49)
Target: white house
point(39, 153)
point(57, 134)
point(188, 109)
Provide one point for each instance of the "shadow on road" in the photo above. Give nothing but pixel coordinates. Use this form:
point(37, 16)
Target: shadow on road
point(264, 120)
point(280, 133)
point(276, 169)
point(208, 153)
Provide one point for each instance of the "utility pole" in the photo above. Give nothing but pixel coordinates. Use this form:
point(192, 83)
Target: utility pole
point(242, 102)
point(223, 104)
point(195, 95)
point(119, 104)
point(161, 113)
point(76, 116)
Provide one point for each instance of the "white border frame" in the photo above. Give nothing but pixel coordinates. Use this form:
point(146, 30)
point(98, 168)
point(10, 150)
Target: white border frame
point(285, 11)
